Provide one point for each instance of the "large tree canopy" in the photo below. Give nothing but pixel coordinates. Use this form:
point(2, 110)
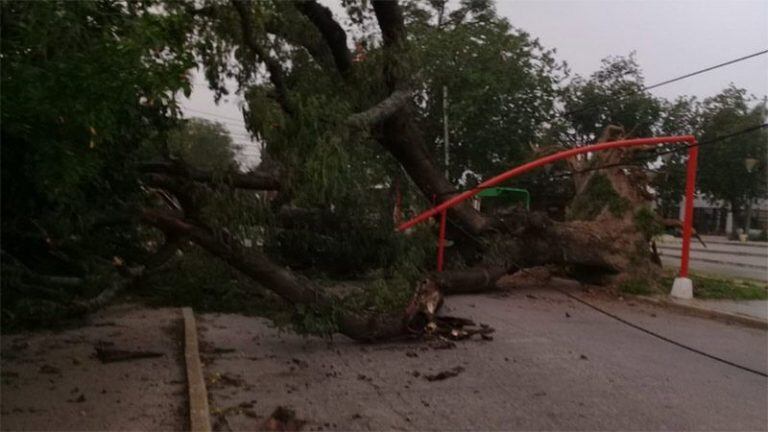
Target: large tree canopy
point(104, 183)
point(82, 100)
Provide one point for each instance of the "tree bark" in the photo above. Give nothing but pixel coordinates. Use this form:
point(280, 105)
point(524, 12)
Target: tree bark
point(258, 179)
point(276, 74)
point(332, 32)
point(292, 288)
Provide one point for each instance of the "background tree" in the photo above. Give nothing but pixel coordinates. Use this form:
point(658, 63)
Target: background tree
point(203, 144)
point(723, 174)
point(501, 86)
point(614, 95)
point(681, 117)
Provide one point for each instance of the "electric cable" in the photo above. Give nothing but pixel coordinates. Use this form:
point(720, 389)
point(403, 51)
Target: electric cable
point(659, 336)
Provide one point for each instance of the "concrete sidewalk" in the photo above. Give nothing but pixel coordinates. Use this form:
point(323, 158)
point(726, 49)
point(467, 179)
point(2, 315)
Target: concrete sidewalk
point(51, 380)
point(753, 313)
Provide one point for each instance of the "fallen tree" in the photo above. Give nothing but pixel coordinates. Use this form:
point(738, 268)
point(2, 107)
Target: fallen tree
point(347, 131)
point(606, 232)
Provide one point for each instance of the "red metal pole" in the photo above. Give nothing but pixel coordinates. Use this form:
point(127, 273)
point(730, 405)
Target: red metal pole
point(537, 163)
point(690, 190)
point(441, 241)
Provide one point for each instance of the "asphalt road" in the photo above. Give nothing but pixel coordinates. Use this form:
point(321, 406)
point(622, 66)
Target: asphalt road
point(720, 257)
point(554, 364)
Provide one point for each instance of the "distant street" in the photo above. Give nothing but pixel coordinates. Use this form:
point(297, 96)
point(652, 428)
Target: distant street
point(720, 257)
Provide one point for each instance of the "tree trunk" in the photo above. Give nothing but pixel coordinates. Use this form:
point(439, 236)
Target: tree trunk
point(736, 217)
point(402, 138)
point(748, 218)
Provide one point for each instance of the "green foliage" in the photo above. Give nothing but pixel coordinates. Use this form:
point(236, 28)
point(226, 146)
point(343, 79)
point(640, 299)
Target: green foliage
point(501, 86)
point(86, 87)
point(384, 295)
point(598, 195)
point(203, 144)
point(637, 286)
point(194, 279)
point(613, 95)
point(315, 319)
point(722, 172)
point(647, 222)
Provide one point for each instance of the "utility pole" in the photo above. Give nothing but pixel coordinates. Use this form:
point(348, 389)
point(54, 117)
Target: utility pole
point(445, 126)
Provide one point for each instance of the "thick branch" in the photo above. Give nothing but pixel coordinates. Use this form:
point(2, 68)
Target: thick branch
point(381, 111)
point(390, 18)
point(470, 281)
point(276, 75)
point(256, 180)
point(400, 134)
point(332, 32)
point(304, 36)
point(294, 289)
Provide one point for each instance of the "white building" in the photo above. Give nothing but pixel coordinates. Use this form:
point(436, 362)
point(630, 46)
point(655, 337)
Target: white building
point(715, 217)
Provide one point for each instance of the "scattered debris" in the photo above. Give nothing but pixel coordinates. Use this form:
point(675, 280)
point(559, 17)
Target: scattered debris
point(411, 354)
point(104, 324)
point(486, 337)
point(441, 344)
point(567, 315)
point(283, 420)
point(445, 374)
point(48, 369)
point(225, 379)
point(583, 357)
point(80, 399)
point(362, 377)
point(251, 413)
point(110, 355)
point(222, 423)
point(300, 363)
point(20, 346)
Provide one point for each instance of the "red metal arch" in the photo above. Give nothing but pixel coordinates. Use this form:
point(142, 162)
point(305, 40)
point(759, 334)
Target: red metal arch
point(693, 151)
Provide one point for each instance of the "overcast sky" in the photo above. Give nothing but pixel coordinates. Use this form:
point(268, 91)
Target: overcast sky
point(670, 38)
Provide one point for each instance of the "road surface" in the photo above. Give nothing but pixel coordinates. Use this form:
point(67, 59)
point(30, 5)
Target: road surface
point(720, 257)
point(554, 364)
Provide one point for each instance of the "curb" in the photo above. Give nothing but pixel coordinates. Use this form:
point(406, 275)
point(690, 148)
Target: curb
point(199, 417)
point(704, 313)
point(714, 252)
point(714, 261)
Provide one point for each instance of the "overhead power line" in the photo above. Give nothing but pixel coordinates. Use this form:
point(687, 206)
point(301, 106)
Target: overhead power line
point(701, 71)
point(240, 121)
point(661, 337)
point(656, 155)
point(670, 81)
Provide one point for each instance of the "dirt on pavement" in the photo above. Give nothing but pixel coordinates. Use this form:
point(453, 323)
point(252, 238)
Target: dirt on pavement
point(53, 380)
point(553, 364)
